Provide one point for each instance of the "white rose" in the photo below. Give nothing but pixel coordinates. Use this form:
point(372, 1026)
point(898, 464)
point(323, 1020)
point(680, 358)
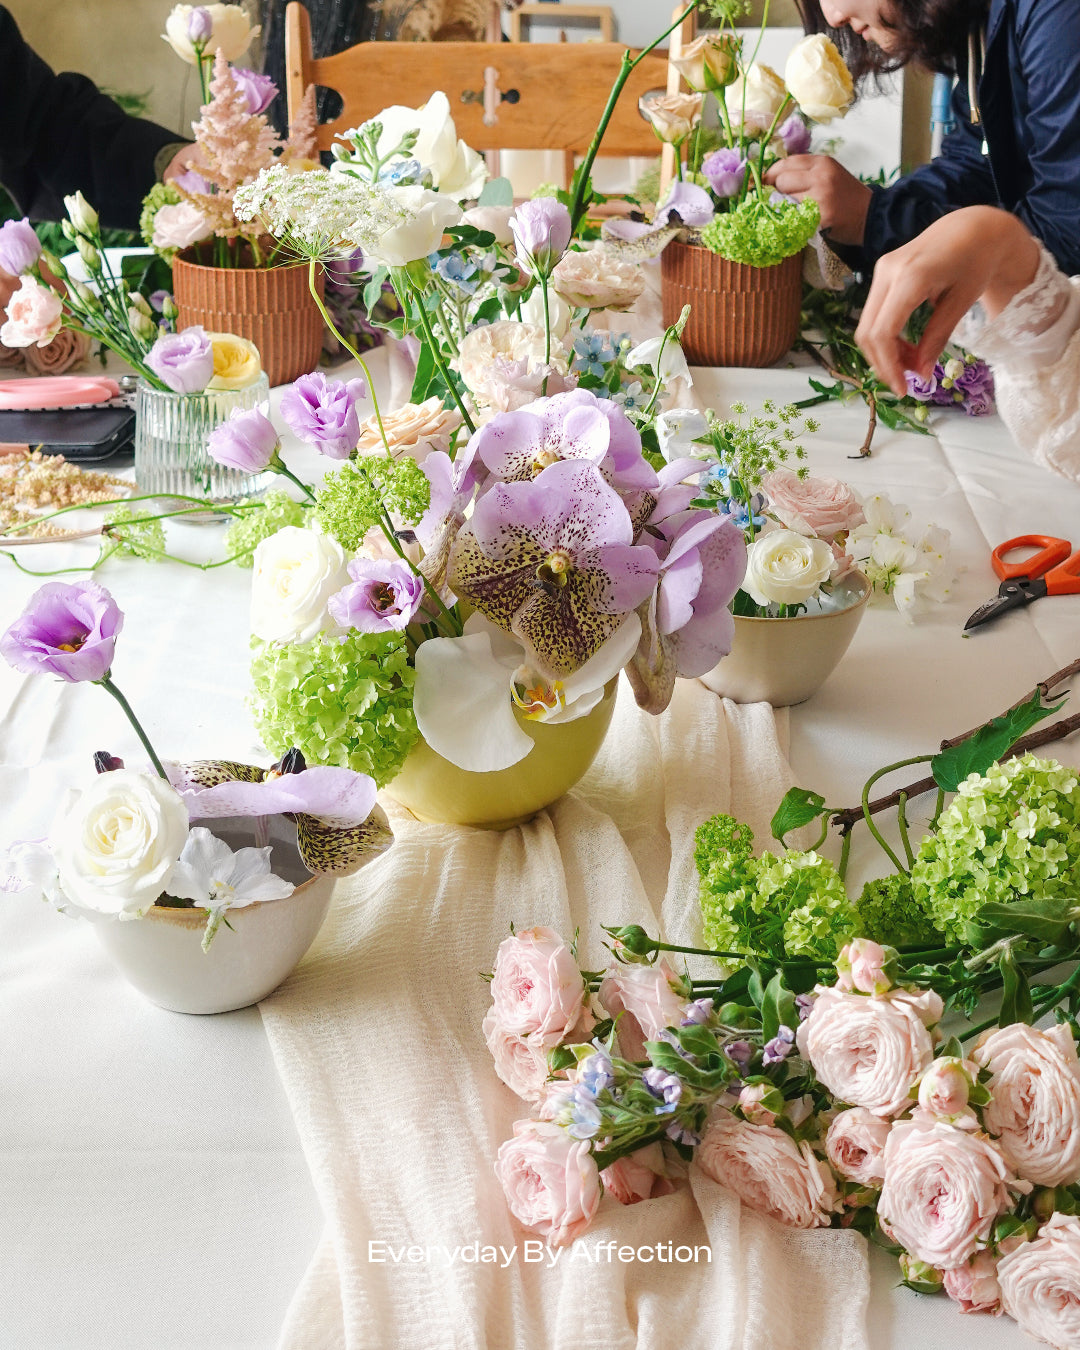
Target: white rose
point(818, 80)
point(118, 841)
point(180, 226)
point(786, 568)
point(296, 573)
point(594, 280)
point(494, 219)
point(559, 315)
point(428, 216)
point(855, 1145)
point(759, 93)
point(1040, 1284)
point(232, 32)
point(1034, 1100)
point(456, 170)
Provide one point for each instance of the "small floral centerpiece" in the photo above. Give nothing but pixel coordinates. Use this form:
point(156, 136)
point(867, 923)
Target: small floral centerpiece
point(159, 844)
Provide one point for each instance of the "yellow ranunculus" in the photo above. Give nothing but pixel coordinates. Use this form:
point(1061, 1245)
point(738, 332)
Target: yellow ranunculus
point(818, 80)
point(236, 361)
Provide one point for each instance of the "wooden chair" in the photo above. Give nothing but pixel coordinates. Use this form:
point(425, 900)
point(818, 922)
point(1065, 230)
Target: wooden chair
point(504, 95)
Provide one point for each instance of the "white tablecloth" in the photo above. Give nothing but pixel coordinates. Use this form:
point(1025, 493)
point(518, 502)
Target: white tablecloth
point(152, 1188)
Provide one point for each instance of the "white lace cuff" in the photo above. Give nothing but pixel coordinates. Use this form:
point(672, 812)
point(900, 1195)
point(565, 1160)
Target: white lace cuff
point(1033, 329)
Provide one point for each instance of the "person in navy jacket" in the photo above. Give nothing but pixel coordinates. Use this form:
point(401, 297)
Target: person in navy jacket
point(1017, 111)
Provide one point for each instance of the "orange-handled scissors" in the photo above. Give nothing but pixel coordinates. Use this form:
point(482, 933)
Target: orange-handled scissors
point(1054, 569)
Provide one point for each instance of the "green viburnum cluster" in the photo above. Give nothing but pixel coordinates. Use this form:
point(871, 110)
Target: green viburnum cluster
point(344, 702)
point(355, 499)
point(761, 235)
point(161, 194)
point(791, 905)
point(127, 534)
point(888, 912)
point(1013, 834)
point(249, 529)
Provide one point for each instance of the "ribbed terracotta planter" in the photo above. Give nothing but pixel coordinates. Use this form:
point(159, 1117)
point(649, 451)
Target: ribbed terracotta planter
point(270, 306)
point(739, 315)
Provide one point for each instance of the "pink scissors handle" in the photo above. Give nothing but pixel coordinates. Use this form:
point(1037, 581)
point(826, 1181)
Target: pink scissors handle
point(1051, 552)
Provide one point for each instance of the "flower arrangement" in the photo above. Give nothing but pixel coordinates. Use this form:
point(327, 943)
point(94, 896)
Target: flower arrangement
point(825, 1075)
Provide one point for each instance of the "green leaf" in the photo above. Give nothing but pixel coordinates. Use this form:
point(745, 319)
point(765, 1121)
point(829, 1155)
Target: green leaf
point(1015, 994)
point(468, 235)
point(426, 369)
point(798, 807)
point(777, 1008)
point(373, 289)
point(497, 192)
point(1045, 919)
point(987, 745)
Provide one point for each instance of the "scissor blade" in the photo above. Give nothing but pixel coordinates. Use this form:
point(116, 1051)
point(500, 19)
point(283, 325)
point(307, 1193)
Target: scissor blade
point(1011, 595)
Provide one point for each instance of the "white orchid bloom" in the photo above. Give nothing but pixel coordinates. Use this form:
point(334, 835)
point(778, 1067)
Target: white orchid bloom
point(217, 879)
point(678, 433)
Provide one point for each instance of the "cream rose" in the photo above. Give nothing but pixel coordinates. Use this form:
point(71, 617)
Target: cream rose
point(824, 507)
point(560, 316)
point(414, 429)
point(1040, 1284)
point(34, 316)
point(179, 226)
point(710, 61)
point(768, 1171)
point(1034, 1100)
point(550, 1179)
point(786, 568)
point(594, 280)
point(428, 215)
point(506, 341)
point(758, 94)
point(870, 1051)
point(673, 116)
point(818, 80)
point(117, 842)
point(296, 571)
point(855, 1145)
point(232, 32)
point(644, 1001)
point(975, 1287)
point(536, 986)
point(236, 362)
point(943, 1190)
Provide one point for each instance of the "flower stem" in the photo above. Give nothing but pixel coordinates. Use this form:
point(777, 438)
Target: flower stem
point(312, 264)
point(880, 773)
point(437, 357)
point(111, 688)
point(278, 466)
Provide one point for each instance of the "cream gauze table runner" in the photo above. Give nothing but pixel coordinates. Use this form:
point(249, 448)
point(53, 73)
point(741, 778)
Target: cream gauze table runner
point(377, 1040)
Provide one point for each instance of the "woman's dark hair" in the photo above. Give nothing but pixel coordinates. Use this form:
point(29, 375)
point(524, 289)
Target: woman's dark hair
point(931, 33)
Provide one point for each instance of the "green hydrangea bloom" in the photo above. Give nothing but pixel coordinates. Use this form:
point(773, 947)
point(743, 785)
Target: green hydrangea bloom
point(888, 912)
point(342, 702)
point(761, 235)
point(249, 529)
point(1013, 833)
point(352, 501)
point(127, 534)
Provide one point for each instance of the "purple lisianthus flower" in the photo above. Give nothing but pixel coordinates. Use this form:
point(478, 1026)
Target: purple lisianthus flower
point(20, 247)
point(200, 24)
point(323, 413)
point(779, 1047)
point(247, 441)
point(686, 204)
point(157, 300)
point(664, 1085)
point(921, 389)
point(517, 446)
point(541, 233)
point(977, 386)
point(183, 361)
point(259, 90)
point(740, 1053)
point(795, 135)
point(596, 1073)
point(698, 1012)
point(384, 595)
point(65, 630)
point(553, 562)
point(726, 172)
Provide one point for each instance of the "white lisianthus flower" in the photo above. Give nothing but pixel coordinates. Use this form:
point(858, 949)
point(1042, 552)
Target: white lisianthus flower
point(818, 80)
point(427, 217)
point(231, 34)
point(217, 879)
point(296, 571)
point(786, 568)
point(456, 170)
point(81, 214)
point(756, 96)
point(116, 842)
point(179, 226)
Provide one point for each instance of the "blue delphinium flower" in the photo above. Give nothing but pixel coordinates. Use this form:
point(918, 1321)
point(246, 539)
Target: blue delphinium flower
point(596, 1073)
point(585, 1118)
point(403, 173)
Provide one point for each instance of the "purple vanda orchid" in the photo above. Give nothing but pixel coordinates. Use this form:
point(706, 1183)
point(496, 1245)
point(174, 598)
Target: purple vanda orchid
point(690, 203)
point(68, 630)
point(553, 562)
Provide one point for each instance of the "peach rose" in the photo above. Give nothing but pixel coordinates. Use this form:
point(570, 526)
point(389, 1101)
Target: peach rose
point(648, 1002)
point(870, 1051)
point(414, 429)
point(595, 281)
point(673, 116)
point(641, 1175)
point(1040, 1284)
point(550, 1180)
point(768, 1171)
point(66, 349)
point(536, 988)
point(1034, 1100)
point(34, 315)
point(824, 507)
point(506, 346)
point(855, 1145)
point(943, 1190)
point(975, 1286)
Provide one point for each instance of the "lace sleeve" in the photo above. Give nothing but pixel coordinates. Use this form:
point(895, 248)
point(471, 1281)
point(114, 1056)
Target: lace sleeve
point(1035, 327)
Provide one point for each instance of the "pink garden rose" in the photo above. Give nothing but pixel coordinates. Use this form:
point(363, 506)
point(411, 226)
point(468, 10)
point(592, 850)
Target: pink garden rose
point(861, 966)
point(855, 1145)
point(550, 1180)
point(641, 1175)
point(1034, 1100)
point(648, 1001)
point(66, 349)
point(520, 1061)
point(944, 1187)
point(870, 1051)
point(945, 1086)
point(975, 1286)
point(1040, 1284)
point(180, 226)
point(34, 316)
point(824, 507)
point(768, 1171)
point(537, 988)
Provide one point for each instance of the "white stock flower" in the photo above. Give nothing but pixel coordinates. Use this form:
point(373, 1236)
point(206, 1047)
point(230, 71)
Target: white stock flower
point(669, 354)
point(896, 561)
point(817, 78)
point(296, 571)
point(232, 32)
point(217, 879)
point(786, 568)
point(116, 842)
point(428, 215)
point(456, 170)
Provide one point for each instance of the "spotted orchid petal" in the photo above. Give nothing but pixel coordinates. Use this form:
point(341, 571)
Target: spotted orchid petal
point(583, 690)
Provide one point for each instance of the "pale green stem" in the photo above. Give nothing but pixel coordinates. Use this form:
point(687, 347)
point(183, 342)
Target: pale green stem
point(111, 688)
point(880, 773)
point(437, 357)
point(312, 264)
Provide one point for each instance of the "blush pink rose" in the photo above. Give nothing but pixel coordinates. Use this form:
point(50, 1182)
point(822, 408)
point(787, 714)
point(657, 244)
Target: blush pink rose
point(870, 1051)
point(824, 507)
point(34, 316)
point(180, 226)
point(861, 966)
point(537, 988)
point(648, 1001)
point(520, 1061)
point(1034, 1100)
point(641, 1175)
point(1040, 1284)
point(946, 1085)
point(768, 1171)
point(975, 1286)
point(944, 1187)
point(550, 1181)
point(855, 1145)
point(66, 349)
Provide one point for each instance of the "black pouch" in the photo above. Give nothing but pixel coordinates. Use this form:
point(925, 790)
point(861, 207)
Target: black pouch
point(82, 435)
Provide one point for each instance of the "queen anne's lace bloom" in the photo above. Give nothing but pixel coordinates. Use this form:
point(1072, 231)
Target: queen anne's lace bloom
point(319, 213)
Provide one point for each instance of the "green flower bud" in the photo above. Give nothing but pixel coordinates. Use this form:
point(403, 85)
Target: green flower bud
point(634, 940)
point(169, 309)
point(919, 1276)
point(53, 264)
point(81, 214)
point(89, 254)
